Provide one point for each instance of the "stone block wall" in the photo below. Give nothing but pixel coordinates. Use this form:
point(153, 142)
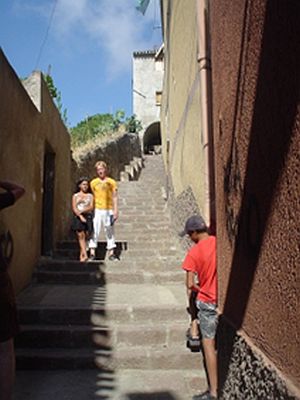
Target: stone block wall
point(181, 207)
point(244, 372)
point(117, 153)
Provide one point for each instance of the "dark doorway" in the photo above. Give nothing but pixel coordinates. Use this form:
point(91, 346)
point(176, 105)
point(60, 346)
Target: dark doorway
point(48, 201)
point(152, 138)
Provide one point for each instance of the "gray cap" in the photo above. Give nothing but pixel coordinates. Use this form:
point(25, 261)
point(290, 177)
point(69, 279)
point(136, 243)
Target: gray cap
point(194, 223)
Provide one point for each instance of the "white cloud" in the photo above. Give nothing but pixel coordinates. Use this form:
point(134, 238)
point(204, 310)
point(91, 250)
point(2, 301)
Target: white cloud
point(114, 27)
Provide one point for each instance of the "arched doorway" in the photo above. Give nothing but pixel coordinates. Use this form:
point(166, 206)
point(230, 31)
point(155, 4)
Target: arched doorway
point(152, 138)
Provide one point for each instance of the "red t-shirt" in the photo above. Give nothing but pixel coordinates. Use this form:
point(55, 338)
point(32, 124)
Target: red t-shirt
point(201, 259)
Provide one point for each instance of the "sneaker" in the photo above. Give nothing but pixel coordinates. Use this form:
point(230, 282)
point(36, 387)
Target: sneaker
point(113, 257)
point(204, 396)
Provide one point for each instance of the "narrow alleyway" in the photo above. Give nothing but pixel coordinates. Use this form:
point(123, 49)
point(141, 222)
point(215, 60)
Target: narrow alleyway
point(126, 317)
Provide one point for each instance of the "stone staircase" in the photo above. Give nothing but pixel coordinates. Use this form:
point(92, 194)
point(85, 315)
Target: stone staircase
point(125, 319)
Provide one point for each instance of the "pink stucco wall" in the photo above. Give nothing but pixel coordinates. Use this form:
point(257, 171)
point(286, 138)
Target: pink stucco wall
point(256, 118)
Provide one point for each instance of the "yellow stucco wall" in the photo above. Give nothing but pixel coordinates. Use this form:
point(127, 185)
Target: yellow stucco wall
point(181, 111)
point(24, 134)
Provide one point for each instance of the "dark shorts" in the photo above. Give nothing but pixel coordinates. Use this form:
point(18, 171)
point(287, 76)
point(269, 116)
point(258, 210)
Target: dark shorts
point(208, 319)
point(9, 326)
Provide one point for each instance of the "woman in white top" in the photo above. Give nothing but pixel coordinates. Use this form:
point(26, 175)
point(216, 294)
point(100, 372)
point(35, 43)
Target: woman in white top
point(82, 206)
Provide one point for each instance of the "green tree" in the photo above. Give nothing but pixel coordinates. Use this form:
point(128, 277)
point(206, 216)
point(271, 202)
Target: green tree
point(133, 125)
point(50, 84)
point(102, 125)
point(57, 98)
point(91, 127)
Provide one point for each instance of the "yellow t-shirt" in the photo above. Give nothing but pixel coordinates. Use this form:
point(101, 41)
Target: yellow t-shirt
point(103, 192)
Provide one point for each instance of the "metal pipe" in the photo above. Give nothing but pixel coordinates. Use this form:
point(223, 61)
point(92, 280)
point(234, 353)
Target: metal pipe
point(205, 108)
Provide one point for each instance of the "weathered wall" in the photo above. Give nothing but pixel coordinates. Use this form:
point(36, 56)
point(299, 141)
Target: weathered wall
point(180, 114)
point(116, 153)
point(147, 79)
point(256, 76)
point(25, 135)
point(244, 371)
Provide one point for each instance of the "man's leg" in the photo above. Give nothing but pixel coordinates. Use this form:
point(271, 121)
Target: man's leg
point(93, 242)
point(109, 233)
point(211, 364)
point(208, 326)
point(7, 369)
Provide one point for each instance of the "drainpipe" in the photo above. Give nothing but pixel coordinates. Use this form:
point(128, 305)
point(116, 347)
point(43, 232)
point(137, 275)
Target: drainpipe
point(204, 62)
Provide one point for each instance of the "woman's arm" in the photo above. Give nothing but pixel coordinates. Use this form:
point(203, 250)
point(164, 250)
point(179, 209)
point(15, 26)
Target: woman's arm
point(74, 206)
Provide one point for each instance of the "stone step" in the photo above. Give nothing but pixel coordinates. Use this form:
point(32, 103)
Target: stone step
point(62, 336)
point(53, 315)
point(100, 315)
point(125, 229)
point(129, 302)
point(139, 237)
point(73, 244)
point(83, 384)
point(69, 250)
point(166, 256)
point(146, 217)
point(143, 236)
point(159, 259)
point(144, 243)
point(134, 208)
point(152, 199)
point(48, 359)
point(140, 277)
point(127, 207)
point(83, 336)
point(176, 384)
point(60, 265)
point(123, 266)
point(164, 244)
point(145, 222)
point(133, 357)
point(69, 277)
point(134, 252)
point(115, 276)
point(144, 358)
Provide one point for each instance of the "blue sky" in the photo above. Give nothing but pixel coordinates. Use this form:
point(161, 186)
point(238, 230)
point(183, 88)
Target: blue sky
point(89, 46)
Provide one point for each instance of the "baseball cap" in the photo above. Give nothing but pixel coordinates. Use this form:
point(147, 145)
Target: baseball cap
point(194, 223)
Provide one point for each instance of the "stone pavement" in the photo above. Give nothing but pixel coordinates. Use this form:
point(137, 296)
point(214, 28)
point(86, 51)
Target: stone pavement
point(112, 330)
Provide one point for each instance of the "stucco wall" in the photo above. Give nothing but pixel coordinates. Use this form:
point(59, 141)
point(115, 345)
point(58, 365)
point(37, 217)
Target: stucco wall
point(147, 80)
point(256, 75)
point(180, 113)
point(25, 134)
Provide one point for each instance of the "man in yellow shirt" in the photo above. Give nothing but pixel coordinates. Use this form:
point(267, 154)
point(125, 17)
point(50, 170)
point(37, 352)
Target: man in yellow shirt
point(105, 194)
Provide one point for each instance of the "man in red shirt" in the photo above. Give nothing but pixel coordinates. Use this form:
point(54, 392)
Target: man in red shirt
point(200, 262)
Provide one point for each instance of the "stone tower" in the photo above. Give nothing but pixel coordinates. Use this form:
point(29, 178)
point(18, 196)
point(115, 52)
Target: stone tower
point(147, 89)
